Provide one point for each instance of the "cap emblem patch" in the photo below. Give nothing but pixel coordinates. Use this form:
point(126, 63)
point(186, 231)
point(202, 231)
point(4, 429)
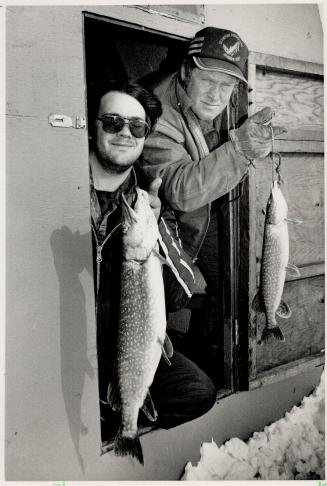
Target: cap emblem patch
point(231, 45)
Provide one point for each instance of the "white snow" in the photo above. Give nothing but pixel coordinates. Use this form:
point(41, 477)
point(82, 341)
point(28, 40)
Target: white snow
point(291, 448)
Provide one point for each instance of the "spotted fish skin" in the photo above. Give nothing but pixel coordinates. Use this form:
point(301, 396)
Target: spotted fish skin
point(274, 260)
point(142, 321)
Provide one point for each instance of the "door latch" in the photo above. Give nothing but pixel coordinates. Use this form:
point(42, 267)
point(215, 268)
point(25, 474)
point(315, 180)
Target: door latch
point(65, 121)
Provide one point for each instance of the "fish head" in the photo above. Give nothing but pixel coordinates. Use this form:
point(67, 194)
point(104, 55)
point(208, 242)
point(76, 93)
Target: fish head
point(277, 208)
point(140, 228)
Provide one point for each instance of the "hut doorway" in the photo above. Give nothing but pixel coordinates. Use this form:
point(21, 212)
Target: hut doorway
point(120, 50)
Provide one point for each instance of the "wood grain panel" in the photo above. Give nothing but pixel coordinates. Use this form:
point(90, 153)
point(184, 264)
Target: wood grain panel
point(294, 90)
point(304, 331)
point(300, 146)
point(297, 100)
point(305, 132)
point(304, 193)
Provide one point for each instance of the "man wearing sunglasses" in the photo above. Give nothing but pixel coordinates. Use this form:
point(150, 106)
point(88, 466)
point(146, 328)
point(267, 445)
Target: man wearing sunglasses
point(121, 116)
point(199, 161)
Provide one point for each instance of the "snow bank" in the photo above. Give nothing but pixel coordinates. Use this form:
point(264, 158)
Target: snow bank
point(291, 448)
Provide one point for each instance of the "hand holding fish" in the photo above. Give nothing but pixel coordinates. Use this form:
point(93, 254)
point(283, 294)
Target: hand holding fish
point(154, 200)
point(254, 138)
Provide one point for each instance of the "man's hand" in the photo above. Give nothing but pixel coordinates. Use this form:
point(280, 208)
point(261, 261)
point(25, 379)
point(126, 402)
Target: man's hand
point(254, 139)
point(154, 200)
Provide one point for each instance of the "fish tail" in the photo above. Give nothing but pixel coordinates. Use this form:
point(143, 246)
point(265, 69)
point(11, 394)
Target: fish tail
point(125, 446)
point(276, 332)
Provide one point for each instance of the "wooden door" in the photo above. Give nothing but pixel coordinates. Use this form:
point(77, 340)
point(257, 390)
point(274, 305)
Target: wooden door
point(51, 368)
point(52, 417)
point(294, 89)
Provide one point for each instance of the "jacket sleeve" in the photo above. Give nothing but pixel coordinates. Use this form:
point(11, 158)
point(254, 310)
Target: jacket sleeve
point(179, 274)
point(188, 184)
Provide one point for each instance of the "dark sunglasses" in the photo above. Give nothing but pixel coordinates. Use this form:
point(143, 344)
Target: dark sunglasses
point(115, 123)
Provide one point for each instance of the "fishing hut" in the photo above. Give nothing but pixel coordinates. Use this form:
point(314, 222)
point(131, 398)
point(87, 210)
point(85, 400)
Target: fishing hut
point(53, 53)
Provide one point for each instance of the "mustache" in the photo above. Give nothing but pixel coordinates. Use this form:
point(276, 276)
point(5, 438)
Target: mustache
point(123, 139)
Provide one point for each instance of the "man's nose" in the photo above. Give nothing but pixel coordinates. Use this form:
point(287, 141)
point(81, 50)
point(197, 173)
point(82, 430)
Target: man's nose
point(125, 131)
point(214, 94)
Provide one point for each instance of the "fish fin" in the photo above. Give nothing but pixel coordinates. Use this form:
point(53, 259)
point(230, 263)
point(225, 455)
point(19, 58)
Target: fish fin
point(294, 221)
point(257, 304)
point(284, 310)
point(167, 349)
point(165, 356)
point(263, 212)
point(128, 446)
point(293, 270)
point(168, 346)
point(148, 408)
point(276, 332)
point(161, 258)
point(113, 397)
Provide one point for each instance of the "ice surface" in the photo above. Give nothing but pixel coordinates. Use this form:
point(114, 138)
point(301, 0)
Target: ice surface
point(291, 448)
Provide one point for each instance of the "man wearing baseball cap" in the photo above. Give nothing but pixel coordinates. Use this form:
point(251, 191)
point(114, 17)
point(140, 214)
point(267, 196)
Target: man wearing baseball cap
point(195, 160)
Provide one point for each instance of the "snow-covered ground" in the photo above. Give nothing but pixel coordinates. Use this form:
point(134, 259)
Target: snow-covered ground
point(291, 448)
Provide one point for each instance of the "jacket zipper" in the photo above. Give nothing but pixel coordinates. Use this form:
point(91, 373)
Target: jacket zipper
point(99, 249)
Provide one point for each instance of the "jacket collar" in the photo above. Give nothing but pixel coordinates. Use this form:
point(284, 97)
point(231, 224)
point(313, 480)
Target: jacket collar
point(183, 99)
point(127, 187)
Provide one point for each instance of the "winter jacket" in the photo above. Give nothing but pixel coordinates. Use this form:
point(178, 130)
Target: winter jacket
point(192, 177)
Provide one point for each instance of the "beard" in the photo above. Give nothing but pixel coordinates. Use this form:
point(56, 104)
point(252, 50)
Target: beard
point(111, 164)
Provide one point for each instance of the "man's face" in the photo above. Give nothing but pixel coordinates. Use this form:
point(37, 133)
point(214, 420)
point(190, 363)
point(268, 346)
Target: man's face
point(210, 92)
point(117, 152)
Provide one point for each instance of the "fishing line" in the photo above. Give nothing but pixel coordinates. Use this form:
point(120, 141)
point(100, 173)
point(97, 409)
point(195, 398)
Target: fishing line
point(272, 154)
point(275, 166)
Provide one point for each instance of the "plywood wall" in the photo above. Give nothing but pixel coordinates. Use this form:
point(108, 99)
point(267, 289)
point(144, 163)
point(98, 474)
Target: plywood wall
point(296, 96)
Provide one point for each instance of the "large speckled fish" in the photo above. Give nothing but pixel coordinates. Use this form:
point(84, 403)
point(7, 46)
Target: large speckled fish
point(274, 263)
point(142, 324)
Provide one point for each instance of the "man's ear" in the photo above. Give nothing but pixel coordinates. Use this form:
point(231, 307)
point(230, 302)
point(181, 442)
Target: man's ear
point(183, 73)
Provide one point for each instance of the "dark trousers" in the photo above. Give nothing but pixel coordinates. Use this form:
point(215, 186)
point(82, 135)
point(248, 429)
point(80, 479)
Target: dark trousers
point(208, 263)
point(180, 393)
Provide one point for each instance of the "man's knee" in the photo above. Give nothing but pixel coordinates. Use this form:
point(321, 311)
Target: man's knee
point(197, 401)
point(205, 396)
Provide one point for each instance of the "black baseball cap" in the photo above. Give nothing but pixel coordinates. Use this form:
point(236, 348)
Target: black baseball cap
point(221, 50)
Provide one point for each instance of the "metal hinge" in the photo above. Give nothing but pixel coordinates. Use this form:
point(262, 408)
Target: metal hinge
point(65, 121)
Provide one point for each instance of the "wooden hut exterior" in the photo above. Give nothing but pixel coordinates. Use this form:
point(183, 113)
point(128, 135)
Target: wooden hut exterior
point(51, 410)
